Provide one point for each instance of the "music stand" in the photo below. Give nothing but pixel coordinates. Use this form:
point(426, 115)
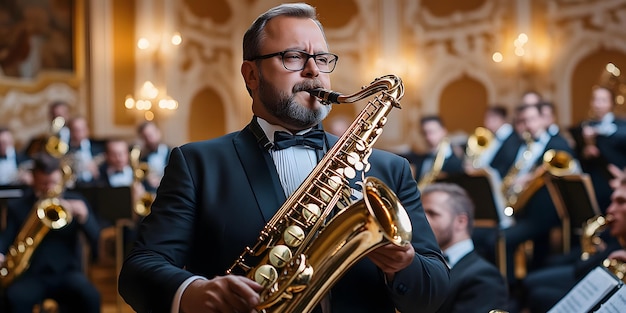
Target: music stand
point(481, 186)
point(575, 200)
point(8, 192)
point(109, 203)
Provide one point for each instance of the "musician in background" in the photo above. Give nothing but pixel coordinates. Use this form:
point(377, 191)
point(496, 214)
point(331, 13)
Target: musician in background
point(154, 152)
point(116, 170)
point(11, 161)
point(217, 195)
point(56, 267)
point(501, 153)
point(601, 141)
point(535, 220)
point(84, 152)
point(548, 114)
point(545, 287)
point(435, 136)
point(450, 213)
point(56, 109)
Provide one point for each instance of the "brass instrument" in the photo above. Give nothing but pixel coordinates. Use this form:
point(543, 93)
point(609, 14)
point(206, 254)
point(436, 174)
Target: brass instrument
point(591, 243)
point(46, 214)
point(301, 254)
point(440, 158)
point(55, 146)
point(556, 162)
point(140, 171)
point(477, 143)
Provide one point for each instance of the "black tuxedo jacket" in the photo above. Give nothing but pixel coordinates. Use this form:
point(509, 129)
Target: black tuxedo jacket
point(475, 286)
point(215, 198)
point(60, 250)
point(505, 156)
point(451, 165)
point(612, 151)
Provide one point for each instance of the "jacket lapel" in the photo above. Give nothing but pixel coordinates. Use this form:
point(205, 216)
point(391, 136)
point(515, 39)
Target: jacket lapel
point(259, 169)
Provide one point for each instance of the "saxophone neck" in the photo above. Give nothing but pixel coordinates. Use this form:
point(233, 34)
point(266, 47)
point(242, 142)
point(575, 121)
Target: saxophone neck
point(390, 84)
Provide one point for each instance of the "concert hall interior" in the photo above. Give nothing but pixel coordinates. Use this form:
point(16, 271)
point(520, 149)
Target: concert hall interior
point(519, 102)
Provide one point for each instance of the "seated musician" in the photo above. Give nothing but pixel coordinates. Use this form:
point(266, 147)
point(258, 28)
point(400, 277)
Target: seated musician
point(56, 265)
point(11, 161)
point(85, 152)
point(154, 152)
point(538, 216)
point(544, 288)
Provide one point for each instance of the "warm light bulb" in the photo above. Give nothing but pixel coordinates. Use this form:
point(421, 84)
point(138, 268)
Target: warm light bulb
point(149, 115)
point(497, 57)
point(143, 43)
point(177, 39)
point(129, 103)
point(523, 38)
point(520, 52)
point(148, 90)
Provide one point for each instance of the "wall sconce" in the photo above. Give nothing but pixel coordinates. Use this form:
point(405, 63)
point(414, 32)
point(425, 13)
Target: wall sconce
point(152, 94)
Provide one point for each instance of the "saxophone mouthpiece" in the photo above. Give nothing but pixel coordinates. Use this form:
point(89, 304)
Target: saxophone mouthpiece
point(327, 96)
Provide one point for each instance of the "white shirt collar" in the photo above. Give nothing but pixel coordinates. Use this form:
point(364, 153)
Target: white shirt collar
point(458, 250)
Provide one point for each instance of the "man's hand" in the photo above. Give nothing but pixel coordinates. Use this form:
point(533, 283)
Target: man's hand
point(619, 255)
point(76, 208)
point(222, 294)
point(391, 258)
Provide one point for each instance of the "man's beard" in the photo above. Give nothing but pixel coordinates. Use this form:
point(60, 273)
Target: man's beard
point(285, 107)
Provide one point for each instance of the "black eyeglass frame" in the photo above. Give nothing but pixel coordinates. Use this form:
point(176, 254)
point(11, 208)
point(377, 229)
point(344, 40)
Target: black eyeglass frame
point(308, 56)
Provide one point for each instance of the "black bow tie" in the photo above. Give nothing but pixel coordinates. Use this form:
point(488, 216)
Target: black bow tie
point(313, 139)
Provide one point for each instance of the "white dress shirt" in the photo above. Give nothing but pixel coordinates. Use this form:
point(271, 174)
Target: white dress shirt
point(458, 250)
point(8, 168)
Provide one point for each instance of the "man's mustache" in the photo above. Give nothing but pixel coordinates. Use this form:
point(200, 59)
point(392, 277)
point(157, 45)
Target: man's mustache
point(307, 85)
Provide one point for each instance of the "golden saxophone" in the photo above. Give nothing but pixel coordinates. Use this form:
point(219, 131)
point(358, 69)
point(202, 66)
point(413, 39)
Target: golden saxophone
point(591, 243)
point(556, 162)
point(302, 254)
point(440, 158)
point(142, 205)
point(46, 214)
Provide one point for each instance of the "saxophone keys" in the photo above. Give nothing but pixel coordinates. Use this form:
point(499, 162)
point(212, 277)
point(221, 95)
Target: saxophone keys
point(293, 236)
point(265, 275)
point(311, 212)
point(349, 172)
point(353, 158)
point(280, 255)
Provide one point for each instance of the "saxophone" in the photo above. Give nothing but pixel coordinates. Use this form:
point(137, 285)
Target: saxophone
point(47, 214)
point(440, 158)
point(300, 255)
point(591, 243)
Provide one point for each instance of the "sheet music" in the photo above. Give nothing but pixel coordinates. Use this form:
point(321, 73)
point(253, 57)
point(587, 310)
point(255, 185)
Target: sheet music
point(615, 304)
point(587, 293)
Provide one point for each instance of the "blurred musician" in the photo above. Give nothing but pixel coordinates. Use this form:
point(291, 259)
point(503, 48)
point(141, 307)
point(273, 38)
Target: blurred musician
point(501, 153)
point(538, 216)
point(55, 269)
point(601, 141)
point(548, 114)
point(11, 162)
point(544, 288)
point(84, 152)
point(435, 135)
point(116, 170)
point(154, 152)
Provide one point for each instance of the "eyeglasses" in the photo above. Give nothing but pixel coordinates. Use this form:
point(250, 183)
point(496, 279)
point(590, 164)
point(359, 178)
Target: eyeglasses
point(295, 60)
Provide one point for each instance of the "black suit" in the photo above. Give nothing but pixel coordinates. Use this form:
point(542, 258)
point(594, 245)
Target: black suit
point(197, 222)
point(56, 269)
point(451, 165)
point(505, 156)
point(475, 286)
point(612, 151)
point(96, 148)
point(534, 220)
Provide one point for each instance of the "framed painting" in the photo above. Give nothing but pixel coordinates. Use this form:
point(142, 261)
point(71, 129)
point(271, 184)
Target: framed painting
point(41, 42)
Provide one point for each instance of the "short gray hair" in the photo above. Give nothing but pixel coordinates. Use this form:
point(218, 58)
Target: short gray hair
point(459, 201)
point(254, 34)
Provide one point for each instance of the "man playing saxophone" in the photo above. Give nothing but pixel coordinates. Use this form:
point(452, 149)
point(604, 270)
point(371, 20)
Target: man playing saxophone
point(56, 266)
point(544, 288)
point(217, 195)
point(534, 220)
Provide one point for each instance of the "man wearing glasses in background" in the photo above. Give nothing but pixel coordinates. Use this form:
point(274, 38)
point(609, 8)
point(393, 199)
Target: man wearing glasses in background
point(217, 195)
